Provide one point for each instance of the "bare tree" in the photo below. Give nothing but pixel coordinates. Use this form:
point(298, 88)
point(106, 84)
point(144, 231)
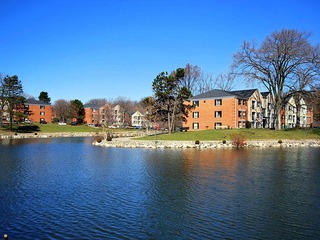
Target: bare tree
point(225, 82)
point(61, 109)
point(196, 80)
point(276, 63)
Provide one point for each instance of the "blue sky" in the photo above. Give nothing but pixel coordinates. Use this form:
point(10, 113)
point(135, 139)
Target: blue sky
point(77, 49)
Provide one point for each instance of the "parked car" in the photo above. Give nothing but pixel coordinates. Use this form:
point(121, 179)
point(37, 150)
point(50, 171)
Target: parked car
point(62, 123)
point(43, 122)
point(27, 121)
point(74, 123)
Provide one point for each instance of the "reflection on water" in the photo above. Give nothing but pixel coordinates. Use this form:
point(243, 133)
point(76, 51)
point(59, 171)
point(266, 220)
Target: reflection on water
point(68, 189)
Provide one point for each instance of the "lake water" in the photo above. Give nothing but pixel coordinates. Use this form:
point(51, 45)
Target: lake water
point(68, 189)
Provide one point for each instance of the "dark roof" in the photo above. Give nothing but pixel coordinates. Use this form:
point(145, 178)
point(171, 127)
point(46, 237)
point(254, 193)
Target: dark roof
point(36, 102)
point(89, 105)
point(216, 93)
point(265, 94)
point(245, 94)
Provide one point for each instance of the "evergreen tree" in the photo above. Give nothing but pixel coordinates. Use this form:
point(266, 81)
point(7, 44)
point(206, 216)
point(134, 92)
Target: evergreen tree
point(11, 95)
point(43, 96)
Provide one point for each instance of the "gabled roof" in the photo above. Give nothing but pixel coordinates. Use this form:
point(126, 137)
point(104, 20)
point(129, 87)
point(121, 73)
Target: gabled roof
point(265, 94)
point(245, 94)
point(89, 105)
point(216, 93)
point(36, 102)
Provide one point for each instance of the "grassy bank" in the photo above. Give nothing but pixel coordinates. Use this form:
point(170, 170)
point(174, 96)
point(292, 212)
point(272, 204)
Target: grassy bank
point(250, 134)
point(206, 135)
point(55, 128)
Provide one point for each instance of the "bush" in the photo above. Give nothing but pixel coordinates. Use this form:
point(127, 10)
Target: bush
point(109, 137)
point(224, 141)
point(248, 124)
point(197, 142)
point(280, 141)
point(238, 140)
point(98, 139)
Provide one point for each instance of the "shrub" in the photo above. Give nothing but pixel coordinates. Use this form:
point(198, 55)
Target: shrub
point(109, 137)
point(98, 139)
point(224, 141)
point(248, 124)
point(238, 140)
point(280, 141)
point(197, 142)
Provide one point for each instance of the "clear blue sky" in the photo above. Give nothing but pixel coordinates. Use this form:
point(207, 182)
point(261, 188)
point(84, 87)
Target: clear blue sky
point(77, 49)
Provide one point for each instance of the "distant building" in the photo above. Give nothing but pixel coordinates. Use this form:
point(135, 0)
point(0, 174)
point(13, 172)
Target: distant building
point(137, 120)
point(38, 111)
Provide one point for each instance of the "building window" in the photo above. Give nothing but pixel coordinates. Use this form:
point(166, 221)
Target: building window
point(241, 114)
point(217, 125)
point(218, 114)
point(253, 106)
point(218, 102)
point(195, 114)
point(195, 126)
point(42, 113)
point(259, 104)
point(42, 107)
point(196, 103)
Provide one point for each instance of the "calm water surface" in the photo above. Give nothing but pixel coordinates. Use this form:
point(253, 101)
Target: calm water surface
point(68, 189)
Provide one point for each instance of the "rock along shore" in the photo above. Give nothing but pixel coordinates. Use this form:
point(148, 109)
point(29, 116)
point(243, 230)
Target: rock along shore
point(127, 141)
point(131, 143)
point(49, 135)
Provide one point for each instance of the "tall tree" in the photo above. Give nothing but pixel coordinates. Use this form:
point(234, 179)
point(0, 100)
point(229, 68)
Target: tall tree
point(11, 96)
point(2, 100)
point(43, 96)
point(148, 103)
point(225, 82)
point(77, 110)
point(170, 97)
point(61, 109)
point(196, 80)
point(277, 62)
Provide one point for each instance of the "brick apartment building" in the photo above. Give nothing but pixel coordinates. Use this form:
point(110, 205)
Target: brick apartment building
point(218, 109)
point(38, 111)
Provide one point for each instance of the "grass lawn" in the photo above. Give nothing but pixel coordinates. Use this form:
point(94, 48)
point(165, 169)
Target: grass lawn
point(56, 128)
point(250, 134)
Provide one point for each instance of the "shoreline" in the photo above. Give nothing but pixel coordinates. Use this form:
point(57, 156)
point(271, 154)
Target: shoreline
point(127, 141)
point(49, 135)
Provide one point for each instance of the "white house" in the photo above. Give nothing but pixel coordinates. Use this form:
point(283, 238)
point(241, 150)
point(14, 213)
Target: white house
point(137, 120)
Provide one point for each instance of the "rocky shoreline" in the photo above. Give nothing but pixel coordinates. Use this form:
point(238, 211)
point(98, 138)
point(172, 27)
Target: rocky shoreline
point(131, 143)
point(127, 141)
point(49, 135)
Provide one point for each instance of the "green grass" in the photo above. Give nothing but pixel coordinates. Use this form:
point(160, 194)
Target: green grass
point(52, 128)
point(250, 134)
point(206, 135)
point(56, 128)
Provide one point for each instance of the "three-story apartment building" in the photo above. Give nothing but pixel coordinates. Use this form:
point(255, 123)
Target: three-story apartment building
point(38, 111)
point(218, 109)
